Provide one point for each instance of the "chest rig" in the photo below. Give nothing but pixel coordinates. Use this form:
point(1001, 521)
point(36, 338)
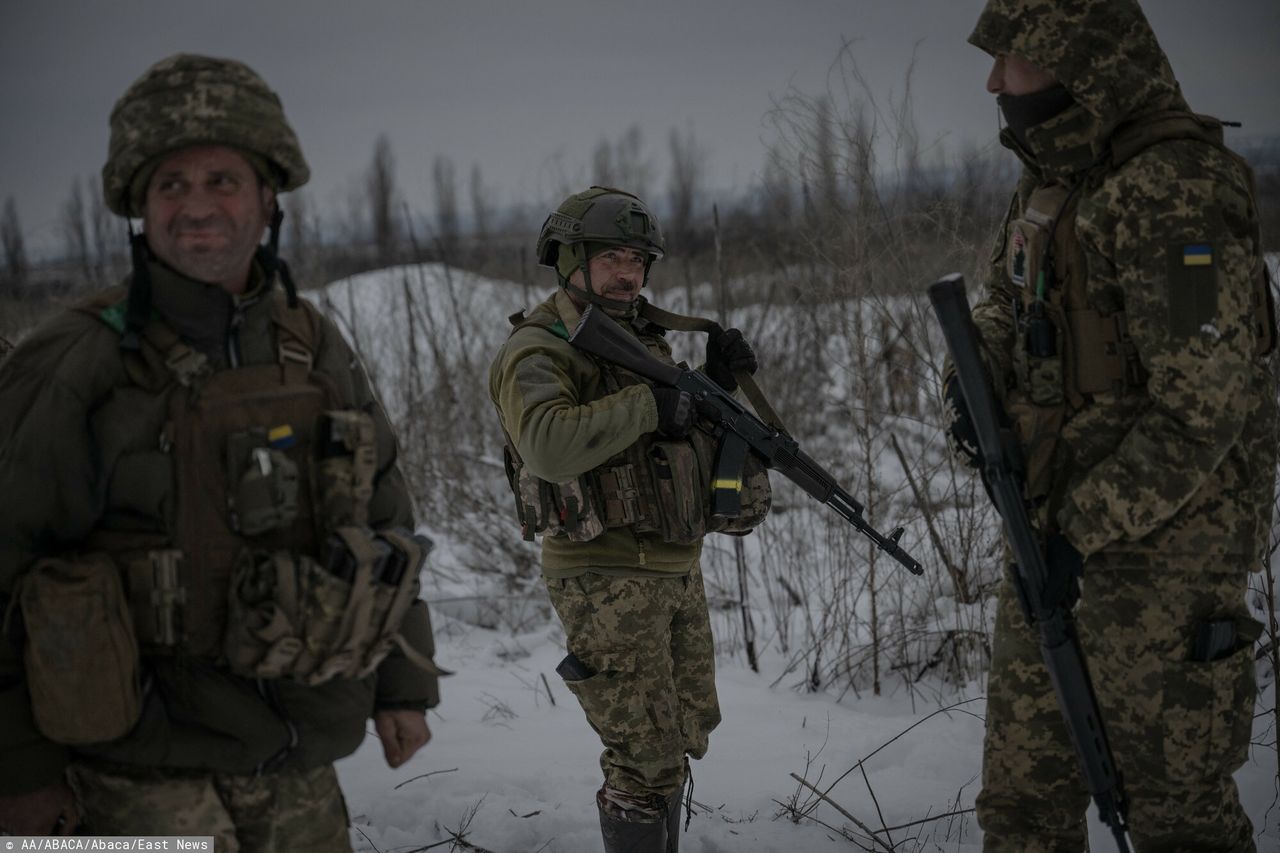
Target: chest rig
point(268, 564)
point(1067, 351)
point(656, 485)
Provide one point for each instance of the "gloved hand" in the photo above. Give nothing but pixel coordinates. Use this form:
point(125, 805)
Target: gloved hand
point(1066, 568)
point(961, 435)
point(675, 412)
point(727, 352)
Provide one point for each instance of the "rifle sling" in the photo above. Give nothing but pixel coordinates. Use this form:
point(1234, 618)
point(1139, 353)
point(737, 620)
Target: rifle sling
point(685, 323)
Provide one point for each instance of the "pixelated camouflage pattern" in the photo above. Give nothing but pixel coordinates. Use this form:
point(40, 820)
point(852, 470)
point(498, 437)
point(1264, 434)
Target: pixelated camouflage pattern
point(653, 697)
point(192, 100)
point(1178, 728)
point(268, 813)
point(1165, 482)
point(1103, 51)
point(1182, 465)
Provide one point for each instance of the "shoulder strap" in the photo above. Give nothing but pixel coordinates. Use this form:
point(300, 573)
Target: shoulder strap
point(686, 323)
point(297, 333)
point(1132, 139)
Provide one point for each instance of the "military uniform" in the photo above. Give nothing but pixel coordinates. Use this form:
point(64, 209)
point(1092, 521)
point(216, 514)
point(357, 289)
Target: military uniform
point(632, 605)
point(197, 568)
point(1128, 329)
point(618, 497)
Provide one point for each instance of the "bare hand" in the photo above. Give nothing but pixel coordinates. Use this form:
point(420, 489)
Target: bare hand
point(50, 810)
point(402, 732)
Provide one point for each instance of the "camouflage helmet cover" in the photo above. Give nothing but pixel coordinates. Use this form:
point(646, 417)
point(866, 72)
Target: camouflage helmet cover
point(192, 100)
point(600, 215)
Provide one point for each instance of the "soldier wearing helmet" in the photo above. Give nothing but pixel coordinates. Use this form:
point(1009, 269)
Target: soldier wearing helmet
point(585, 442)
point(206, 545)
point(1130, 333)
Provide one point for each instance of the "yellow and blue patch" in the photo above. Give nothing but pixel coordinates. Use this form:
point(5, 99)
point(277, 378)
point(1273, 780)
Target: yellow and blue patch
point(281, 437)
point(1197, 255)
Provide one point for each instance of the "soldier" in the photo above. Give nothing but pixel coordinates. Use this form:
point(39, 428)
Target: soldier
point(1128, 328)
point(204, 537)
point(620, 559)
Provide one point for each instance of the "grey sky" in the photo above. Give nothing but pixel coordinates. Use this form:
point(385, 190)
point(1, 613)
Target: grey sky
point(526, 89)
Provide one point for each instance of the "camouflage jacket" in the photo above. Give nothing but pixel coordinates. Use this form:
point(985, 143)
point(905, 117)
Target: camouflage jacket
point(79, 455)
point(556, 410)
point(1178, 468)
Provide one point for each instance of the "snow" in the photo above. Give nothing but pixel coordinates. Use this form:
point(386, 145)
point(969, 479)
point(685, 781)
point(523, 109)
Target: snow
point(513, 764)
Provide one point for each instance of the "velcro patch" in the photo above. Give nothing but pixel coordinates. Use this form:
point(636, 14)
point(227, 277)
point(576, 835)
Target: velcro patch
point(1192, 288)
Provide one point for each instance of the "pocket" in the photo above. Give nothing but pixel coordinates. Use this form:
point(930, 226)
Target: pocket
point(1208, 714)
point(264, 483)
point(609, 697)
point(81, 654)
point(678, 489)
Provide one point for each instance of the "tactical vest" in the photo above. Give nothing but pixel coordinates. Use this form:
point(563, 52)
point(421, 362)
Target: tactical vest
point(268, 565)
point(1066, 351)
point(656, 485)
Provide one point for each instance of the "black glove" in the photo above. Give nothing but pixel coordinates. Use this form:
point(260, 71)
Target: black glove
point(675, 411)
point(1066, 568)
point(961, 434)
point(727, 353)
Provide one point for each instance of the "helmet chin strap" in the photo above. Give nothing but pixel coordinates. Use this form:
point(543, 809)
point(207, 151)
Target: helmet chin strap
point(616, 306)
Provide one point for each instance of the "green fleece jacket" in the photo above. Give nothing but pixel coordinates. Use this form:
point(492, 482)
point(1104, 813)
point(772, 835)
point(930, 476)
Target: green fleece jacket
point(556, 411)
point(82, 453)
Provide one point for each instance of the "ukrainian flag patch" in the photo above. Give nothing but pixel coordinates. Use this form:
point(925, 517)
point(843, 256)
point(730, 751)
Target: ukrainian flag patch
point(281, 437)
point(1197, 255)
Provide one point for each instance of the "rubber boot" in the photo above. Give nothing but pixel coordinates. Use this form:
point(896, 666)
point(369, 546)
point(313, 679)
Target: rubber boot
point(633, 832)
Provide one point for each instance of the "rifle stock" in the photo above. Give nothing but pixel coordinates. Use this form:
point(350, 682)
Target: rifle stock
point(597, 334)
point(1059, 645)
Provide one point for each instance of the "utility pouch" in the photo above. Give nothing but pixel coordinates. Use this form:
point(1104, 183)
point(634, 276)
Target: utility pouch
point(678, 487)
point(1039, 429)
point(346, 461)
point(291, 616)
point(81, 655)
point(755, 495)
point(263, 483)
point(552, 509)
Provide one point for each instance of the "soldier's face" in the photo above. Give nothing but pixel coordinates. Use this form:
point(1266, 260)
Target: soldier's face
point(205, 213)
point(1013, 75)
point(616, 273)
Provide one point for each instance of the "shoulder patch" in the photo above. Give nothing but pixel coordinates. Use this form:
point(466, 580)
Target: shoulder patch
point(1192, 288)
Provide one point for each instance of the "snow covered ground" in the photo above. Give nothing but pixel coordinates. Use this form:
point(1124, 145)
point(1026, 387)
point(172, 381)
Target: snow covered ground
point(513, 764)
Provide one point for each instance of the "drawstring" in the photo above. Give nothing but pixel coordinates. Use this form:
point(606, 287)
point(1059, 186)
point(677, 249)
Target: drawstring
point(139, 307)
point(688, 795)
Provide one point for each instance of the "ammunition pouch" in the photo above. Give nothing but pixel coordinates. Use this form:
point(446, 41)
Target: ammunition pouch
point(346, 460)
point(656, 486)
point(80, 654)
point(291, 616)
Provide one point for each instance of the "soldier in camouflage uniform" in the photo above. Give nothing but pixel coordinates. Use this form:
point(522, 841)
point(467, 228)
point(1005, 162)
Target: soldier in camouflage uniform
point(641, 659)
point(204, 547)
point(1128, 329)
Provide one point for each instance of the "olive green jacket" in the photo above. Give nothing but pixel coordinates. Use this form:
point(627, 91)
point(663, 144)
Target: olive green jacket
point(1177, 470)
point(554, 407)
point(79, 453)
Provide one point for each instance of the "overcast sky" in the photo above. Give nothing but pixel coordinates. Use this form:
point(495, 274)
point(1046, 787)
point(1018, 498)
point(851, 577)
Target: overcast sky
point(526, 88)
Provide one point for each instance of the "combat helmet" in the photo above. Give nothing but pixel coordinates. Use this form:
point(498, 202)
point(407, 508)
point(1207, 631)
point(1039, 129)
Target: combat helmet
point(587, 221)
point(197, 100)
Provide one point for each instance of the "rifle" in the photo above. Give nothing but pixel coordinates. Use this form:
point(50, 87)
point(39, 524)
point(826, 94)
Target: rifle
point(1059, 645)
point(739, 430)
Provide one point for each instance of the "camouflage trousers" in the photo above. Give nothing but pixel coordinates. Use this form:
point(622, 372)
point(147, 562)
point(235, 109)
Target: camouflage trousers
point(652, 699)
point(1178, 728)
point(270, 813)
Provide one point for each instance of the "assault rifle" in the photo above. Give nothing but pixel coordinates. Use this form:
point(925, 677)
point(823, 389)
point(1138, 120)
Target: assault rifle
point(739, 430)
point(1059, 645)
